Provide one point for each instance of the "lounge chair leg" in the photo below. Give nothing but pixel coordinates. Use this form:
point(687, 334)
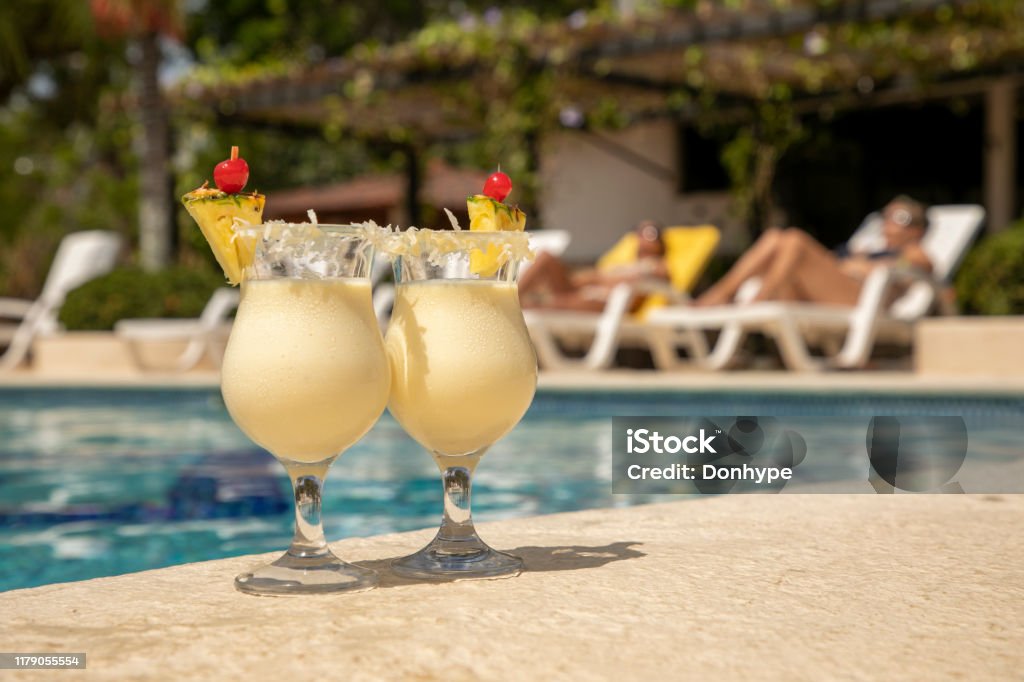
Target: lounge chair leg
point(730, 339)
point(21, 344)
point(191, 356)
point(663, 351)
point(606, 336)
point(698, 343)
point(732, 335)
point(549, 356)
point(664, 343)
point(793, 348)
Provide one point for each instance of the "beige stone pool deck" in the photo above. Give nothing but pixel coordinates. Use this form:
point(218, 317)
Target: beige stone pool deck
point(778, 587)
point(619, 379)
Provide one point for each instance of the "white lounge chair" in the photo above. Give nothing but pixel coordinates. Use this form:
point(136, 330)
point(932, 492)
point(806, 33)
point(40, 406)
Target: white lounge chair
point(688, 251)
point(203, 334)
point(81, 256)
point(794, 325)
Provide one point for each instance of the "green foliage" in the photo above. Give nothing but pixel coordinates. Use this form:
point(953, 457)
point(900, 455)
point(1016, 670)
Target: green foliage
point(752, 157)
point(79, 177)
point(131, 293)
point(65, 137)
point(46, 31)
point(243, 33)
point(991, 279)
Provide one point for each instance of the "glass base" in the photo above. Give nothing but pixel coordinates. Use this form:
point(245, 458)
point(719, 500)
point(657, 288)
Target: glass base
point(443, 561)
point(294, 575)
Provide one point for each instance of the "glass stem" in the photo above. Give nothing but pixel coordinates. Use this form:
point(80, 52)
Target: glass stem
point(457, 480)
point(308, 484)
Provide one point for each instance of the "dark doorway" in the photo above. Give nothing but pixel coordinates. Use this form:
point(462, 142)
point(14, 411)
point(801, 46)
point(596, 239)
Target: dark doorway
point(854, 163)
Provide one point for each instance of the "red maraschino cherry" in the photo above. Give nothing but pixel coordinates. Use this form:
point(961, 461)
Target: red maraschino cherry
point(498, 186)
point(232, 174)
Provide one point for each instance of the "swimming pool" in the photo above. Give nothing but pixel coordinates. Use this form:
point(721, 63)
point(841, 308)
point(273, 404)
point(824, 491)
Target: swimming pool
point(97, 482)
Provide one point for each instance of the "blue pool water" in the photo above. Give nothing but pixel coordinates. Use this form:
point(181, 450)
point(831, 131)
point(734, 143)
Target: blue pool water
point(97, 482)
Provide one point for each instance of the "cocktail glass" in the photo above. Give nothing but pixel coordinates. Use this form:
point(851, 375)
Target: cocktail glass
point(305, 376)
point(463, 373)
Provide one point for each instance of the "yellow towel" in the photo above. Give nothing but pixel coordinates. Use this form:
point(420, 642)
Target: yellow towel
point(688, 251)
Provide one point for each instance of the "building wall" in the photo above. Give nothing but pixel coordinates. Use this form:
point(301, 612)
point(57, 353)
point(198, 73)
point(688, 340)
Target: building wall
point(597, 195)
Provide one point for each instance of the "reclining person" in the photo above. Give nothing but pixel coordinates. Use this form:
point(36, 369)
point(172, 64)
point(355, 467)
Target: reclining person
point(550, 283)
point(793, 266)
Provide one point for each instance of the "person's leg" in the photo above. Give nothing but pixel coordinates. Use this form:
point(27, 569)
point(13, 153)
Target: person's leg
point(804, 270)
point(753, 263)
point(546, 273)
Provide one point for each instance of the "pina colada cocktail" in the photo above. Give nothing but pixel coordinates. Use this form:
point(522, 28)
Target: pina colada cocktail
point(305, 375)
point(302, 375)
point(463, 374)
point(464, 370)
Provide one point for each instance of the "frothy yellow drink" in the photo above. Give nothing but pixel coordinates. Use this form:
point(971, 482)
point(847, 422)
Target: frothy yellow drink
point(305, 374)
point(463, 370)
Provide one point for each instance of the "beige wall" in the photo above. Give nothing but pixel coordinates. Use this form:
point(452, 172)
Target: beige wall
point(597, 195)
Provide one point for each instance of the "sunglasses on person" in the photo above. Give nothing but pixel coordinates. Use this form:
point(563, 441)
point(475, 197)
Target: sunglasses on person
point(900, 216)
point(649, 232)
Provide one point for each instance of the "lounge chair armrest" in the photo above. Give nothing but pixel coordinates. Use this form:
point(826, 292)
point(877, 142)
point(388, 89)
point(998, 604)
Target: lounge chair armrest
point(907, 275)
point(14, 307)
point(881, 280)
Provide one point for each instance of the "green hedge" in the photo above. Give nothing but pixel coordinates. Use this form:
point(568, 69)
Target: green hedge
point(130, 292)
point(991, 280)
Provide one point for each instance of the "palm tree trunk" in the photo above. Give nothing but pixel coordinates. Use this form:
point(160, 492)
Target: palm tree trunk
point(155, 217)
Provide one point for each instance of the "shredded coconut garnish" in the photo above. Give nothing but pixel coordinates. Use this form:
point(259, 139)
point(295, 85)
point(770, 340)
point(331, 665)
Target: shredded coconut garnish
point(435, 245)
point(313, 250)
point(307, 250)
point(454, 221)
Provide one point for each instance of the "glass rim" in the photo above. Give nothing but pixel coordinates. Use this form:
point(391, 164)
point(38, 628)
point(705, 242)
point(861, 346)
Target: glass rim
point(482, 235)
point(419, 242)
point(269, 228)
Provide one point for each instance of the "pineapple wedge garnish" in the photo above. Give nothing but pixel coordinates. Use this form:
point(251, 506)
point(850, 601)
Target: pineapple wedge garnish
point(217, 213)
point(490, 215)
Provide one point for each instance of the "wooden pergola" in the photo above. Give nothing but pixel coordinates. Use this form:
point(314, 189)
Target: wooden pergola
point(662, 64)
